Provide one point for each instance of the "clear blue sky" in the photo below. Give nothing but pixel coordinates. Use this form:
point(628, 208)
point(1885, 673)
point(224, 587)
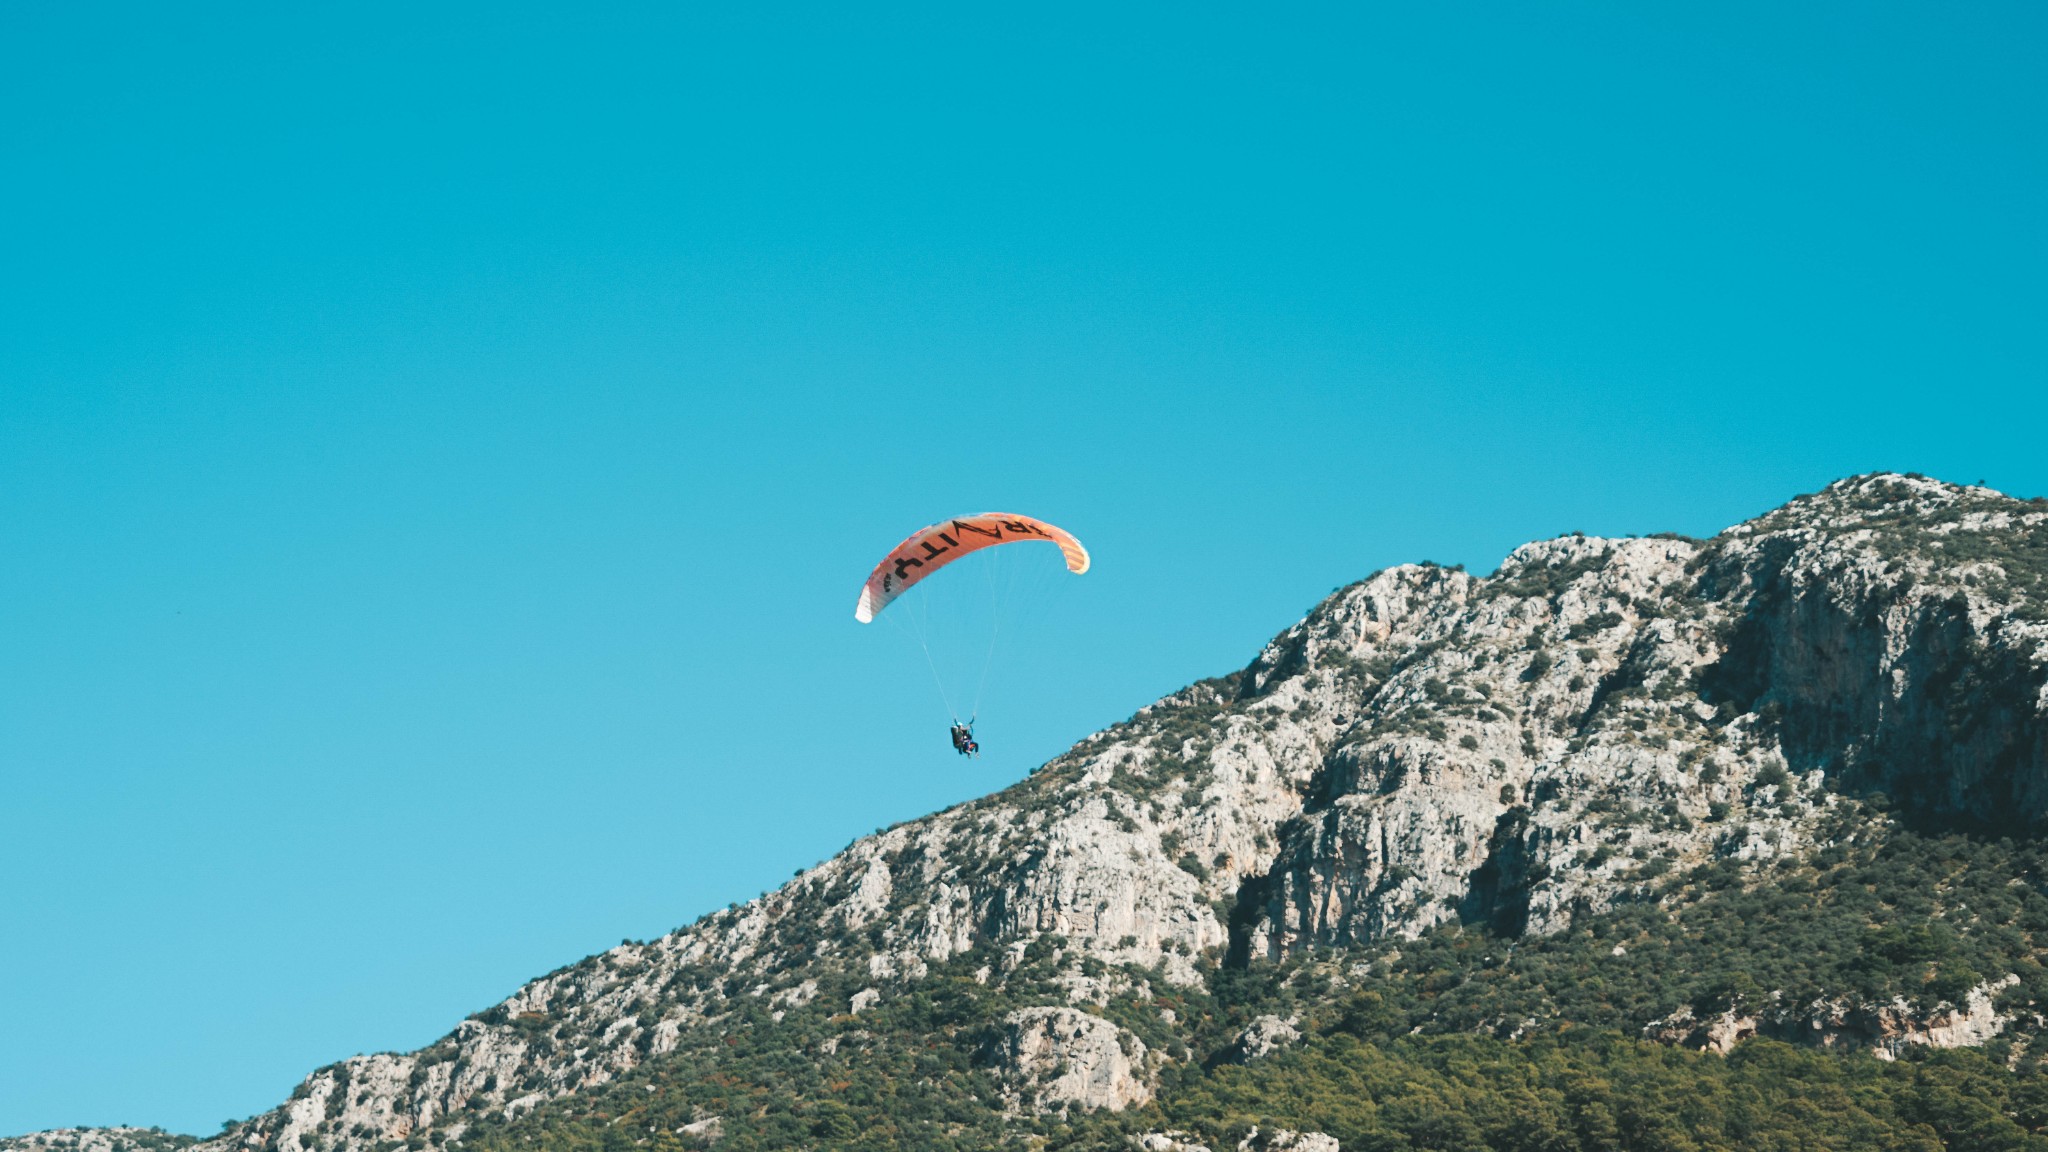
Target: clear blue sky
point(440, 448)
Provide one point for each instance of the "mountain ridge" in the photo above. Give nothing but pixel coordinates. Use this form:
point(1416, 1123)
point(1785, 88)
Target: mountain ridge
point(1589, 734)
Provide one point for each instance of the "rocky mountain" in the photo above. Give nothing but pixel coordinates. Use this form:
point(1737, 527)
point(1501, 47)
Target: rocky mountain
point(1781, 783)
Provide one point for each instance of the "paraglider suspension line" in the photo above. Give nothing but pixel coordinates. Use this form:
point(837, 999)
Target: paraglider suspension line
point(939, 682)
point(995, 604)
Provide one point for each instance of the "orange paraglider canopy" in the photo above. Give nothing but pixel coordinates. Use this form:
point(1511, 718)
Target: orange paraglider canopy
point(932, 548)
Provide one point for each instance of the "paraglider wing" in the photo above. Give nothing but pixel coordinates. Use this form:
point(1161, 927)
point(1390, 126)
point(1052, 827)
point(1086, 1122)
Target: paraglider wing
point(930, 549)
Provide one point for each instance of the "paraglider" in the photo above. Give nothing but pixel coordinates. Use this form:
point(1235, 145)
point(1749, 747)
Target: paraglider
point(932, 548)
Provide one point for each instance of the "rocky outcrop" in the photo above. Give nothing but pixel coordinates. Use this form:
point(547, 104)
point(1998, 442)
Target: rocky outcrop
point(1287, 1140)
point(1426, 747)
point(1061, 1058)
point(705, 1132)
point(123, 1139)
point(1168, 1142)
point(1884, 1030)
point(1523, 749)
point(1261, 1038)
point(1891, 633)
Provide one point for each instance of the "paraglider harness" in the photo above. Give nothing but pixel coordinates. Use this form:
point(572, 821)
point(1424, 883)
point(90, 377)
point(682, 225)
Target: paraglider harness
point(963, 739)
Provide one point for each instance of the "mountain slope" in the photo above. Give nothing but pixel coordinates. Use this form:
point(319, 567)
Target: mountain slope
point(1645, 755)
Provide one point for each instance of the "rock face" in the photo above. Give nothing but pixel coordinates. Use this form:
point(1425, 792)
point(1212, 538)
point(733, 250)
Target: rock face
point(1426, 747)
point(1535, 745)
point(1061, 1058)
